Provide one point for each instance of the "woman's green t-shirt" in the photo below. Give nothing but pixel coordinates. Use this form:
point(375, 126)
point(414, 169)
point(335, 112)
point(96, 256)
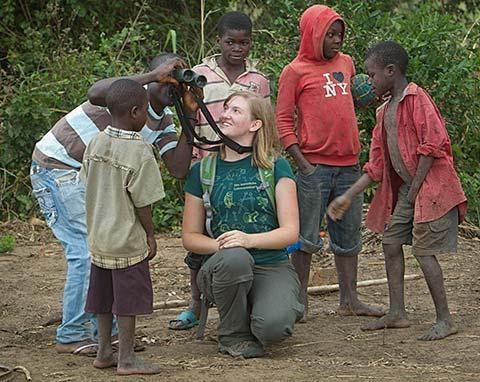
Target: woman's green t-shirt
point(238, 203)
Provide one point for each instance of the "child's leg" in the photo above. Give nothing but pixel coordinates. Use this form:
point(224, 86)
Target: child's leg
point(60, 197)
point(104, 357)
point(301, 262)
point(349, 304)
point(434, 277)
point(128, 363)
point(133, 295)
point(429, 239)
point(313, 191)
point(195, 293)
point(100, 301)
point(395, 267)
point(194, 262)
point(189, 318)
point(345, 243)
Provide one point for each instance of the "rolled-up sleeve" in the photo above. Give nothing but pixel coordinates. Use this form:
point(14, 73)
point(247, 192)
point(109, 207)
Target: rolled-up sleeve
point(430, 126)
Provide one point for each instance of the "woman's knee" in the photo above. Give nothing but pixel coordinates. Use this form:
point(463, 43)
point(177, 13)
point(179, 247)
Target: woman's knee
point(234, 262)
point(270, 329)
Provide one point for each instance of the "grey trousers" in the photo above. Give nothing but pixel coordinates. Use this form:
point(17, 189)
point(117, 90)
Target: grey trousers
point(254, 302)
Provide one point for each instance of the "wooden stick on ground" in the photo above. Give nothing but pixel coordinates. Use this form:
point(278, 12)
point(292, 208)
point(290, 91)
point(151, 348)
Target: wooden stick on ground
point(315, 290)
point(334, 287)
point(170, 304)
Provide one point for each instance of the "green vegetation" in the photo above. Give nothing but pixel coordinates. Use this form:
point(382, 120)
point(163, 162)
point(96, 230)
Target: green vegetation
point(51, 51)
point(7, 243)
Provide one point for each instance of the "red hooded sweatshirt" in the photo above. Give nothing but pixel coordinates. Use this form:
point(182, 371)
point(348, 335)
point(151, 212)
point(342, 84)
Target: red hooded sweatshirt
point(314, 105)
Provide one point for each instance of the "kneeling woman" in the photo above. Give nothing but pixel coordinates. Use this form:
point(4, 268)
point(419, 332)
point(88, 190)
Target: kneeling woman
point(249, 276)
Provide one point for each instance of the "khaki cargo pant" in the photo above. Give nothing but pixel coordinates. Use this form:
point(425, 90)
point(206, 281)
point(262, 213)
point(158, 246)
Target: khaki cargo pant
point(254, 301)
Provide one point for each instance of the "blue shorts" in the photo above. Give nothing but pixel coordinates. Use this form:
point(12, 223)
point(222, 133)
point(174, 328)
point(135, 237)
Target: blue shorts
point(315, 191)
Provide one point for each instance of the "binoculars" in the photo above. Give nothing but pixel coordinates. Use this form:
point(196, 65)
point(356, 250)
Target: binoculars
point(189, 77)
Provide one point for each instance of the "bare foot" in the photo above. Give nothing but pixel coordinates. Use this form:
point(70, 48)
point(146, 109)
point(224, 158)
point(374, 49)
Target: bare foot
point(138, 367)
point(105, 363)
point(388, 321)
point(439, 330)
point(362, 309)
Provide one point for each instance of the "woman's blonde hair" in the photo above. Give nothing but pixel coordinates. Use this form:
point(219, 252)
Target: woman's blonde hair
point(266, 145)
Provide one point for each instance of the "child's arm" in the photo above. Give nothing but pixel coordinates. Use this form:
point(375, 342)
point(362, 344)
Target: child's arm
point(178, 159)
point(304, 166)
point(145, 216)
point(98, 91)
point(193, 224)
point(424, 164)
point(338, 207)
point(288, 221)
point(285, 110)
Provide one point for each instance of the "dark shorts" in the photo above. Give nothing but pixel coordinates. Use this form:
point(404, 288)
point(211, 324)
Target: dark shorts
point(123, 292)
point(315, 191)
point(430, 238)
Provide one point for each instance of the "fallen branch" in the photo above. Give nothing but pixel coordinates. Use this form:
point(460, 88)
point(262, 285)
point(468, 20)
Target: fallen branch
point(334, 287)
point(56, 318)
point(170, 304)
point(7, 373)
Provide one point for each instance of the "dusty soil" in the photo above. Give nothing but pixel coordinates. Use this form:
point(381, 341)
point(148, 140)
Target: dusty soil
point(327, 348)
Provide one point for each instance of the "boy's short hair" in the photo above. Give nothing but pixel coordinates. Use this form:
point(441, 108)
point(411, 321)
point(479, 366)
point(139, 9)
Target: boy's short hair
point(123, 95)
point(234, 20)
point(389, 52)
point(160, 59)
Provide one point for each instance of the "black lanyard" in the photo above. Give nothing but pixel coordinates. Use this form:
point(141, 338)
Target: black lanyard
point(191, 134)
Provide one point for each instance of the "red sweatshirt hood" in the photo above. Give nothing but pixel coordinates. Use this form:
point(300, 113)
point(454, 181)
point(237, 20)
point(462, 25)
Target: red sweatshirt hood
point(314, 24)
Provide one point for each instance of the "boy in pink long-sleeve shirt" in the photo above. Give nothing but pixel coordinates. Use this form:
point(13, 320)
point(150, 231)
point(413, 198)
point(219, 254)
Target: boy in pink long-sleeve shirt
point(420, 200)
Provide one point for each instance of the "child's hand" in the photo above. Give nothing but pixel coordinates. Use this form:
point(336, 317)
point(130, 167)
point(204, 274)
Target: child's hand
point(189, 99)
point(163, 71)
point(234, 239)
point(308, 169)
point(152, 247)
point(337, 208)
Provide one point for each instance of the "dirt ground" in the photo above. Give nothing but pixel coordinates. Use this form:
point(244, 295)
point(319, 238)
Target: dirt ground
point(327, 348)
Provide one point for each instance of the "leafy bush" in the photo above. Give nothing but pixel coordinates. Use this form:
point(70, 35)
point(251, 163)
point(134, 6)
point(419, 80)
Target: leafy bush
point(51, 51)
point(7, 243)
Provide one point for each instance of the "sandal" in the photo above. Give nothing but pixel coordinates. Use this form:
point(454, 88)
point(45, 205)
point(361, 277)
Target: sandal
point(89, 350)
point(86, 348)
point(184, 321)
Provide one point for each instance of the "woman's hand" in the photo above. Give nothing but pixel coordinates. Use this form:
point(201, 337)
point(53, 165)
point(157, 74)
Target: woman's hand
point(235, 238)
